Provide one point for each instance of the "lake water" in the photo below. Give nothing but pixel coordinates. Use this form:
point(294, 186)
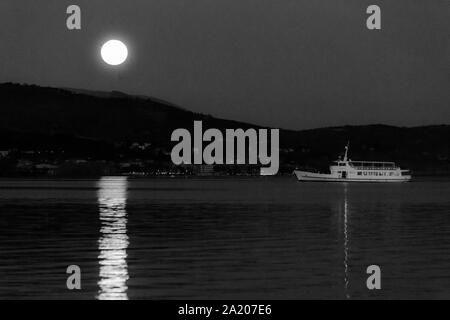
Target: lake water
point(249, 238)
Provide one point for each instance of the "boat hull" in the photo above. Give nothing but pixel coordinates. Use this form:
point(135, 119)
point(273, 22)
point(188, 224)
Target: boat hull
point(304, 176)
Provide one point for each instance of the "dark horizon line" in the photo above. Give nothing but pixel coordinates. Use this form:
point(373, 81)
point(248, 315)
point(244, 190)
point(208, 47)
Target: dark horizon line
point(93, 92)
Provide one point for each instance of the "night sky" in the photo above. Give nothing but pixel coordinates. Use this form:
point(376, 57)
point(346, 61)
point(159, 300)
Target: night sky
point(286, 63)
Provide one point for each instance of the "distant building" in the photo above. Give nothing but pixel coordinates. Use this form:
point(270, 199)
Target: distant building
point(204, 170)
point(141, 146)
point(4, 153)
point(24, 164)
point(45, 168)
point(77, 161)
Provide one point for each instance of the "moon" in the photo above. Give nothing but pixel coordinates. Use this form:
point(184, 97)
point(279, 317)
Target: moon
point(114, 52)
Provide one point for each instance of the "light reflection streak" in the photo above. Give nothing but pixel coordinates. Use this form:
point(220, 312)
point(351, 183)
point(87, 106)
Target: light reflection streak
point(346, 244)
point(113, 241)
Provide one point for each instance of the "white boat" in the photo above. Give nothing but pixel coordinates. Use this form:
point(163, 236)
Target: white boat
point(346, 170)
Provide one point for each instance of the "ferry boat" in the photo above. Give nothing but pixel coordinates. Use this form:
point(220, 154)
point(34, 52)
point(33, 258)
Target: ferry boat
point(346, 170)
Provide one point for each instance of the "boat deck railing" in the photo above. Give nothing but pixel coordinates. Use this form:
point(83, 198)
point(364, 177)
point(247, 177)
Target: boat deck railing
point(373, 165)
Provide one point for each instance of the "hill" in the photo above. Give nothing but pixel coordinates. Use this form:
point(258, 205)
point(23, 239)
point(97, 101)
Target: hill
point(108, 126)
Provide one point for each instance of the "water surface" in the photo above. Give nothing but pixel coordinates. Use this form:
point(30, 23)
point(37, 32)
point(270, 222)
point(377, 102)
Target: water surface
point(249, 238)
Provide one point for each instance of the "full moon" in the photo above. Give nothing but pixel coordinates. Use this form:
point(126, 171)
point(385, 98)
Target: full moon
point(114, 52)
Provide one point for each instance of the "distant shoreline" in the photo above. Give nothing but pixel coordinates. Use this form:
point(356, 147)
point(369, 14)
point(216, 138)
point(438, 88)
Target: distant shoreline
point(67, 134)
point(422, 175)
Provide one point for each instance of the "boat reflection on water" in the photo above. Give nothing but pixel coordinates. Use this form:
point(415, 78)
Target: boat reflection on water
point(113, 241)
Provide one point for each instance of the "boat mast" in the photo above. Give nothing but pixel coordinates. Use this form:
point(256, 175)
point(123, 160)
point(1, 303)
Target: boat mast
point(346, 152)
